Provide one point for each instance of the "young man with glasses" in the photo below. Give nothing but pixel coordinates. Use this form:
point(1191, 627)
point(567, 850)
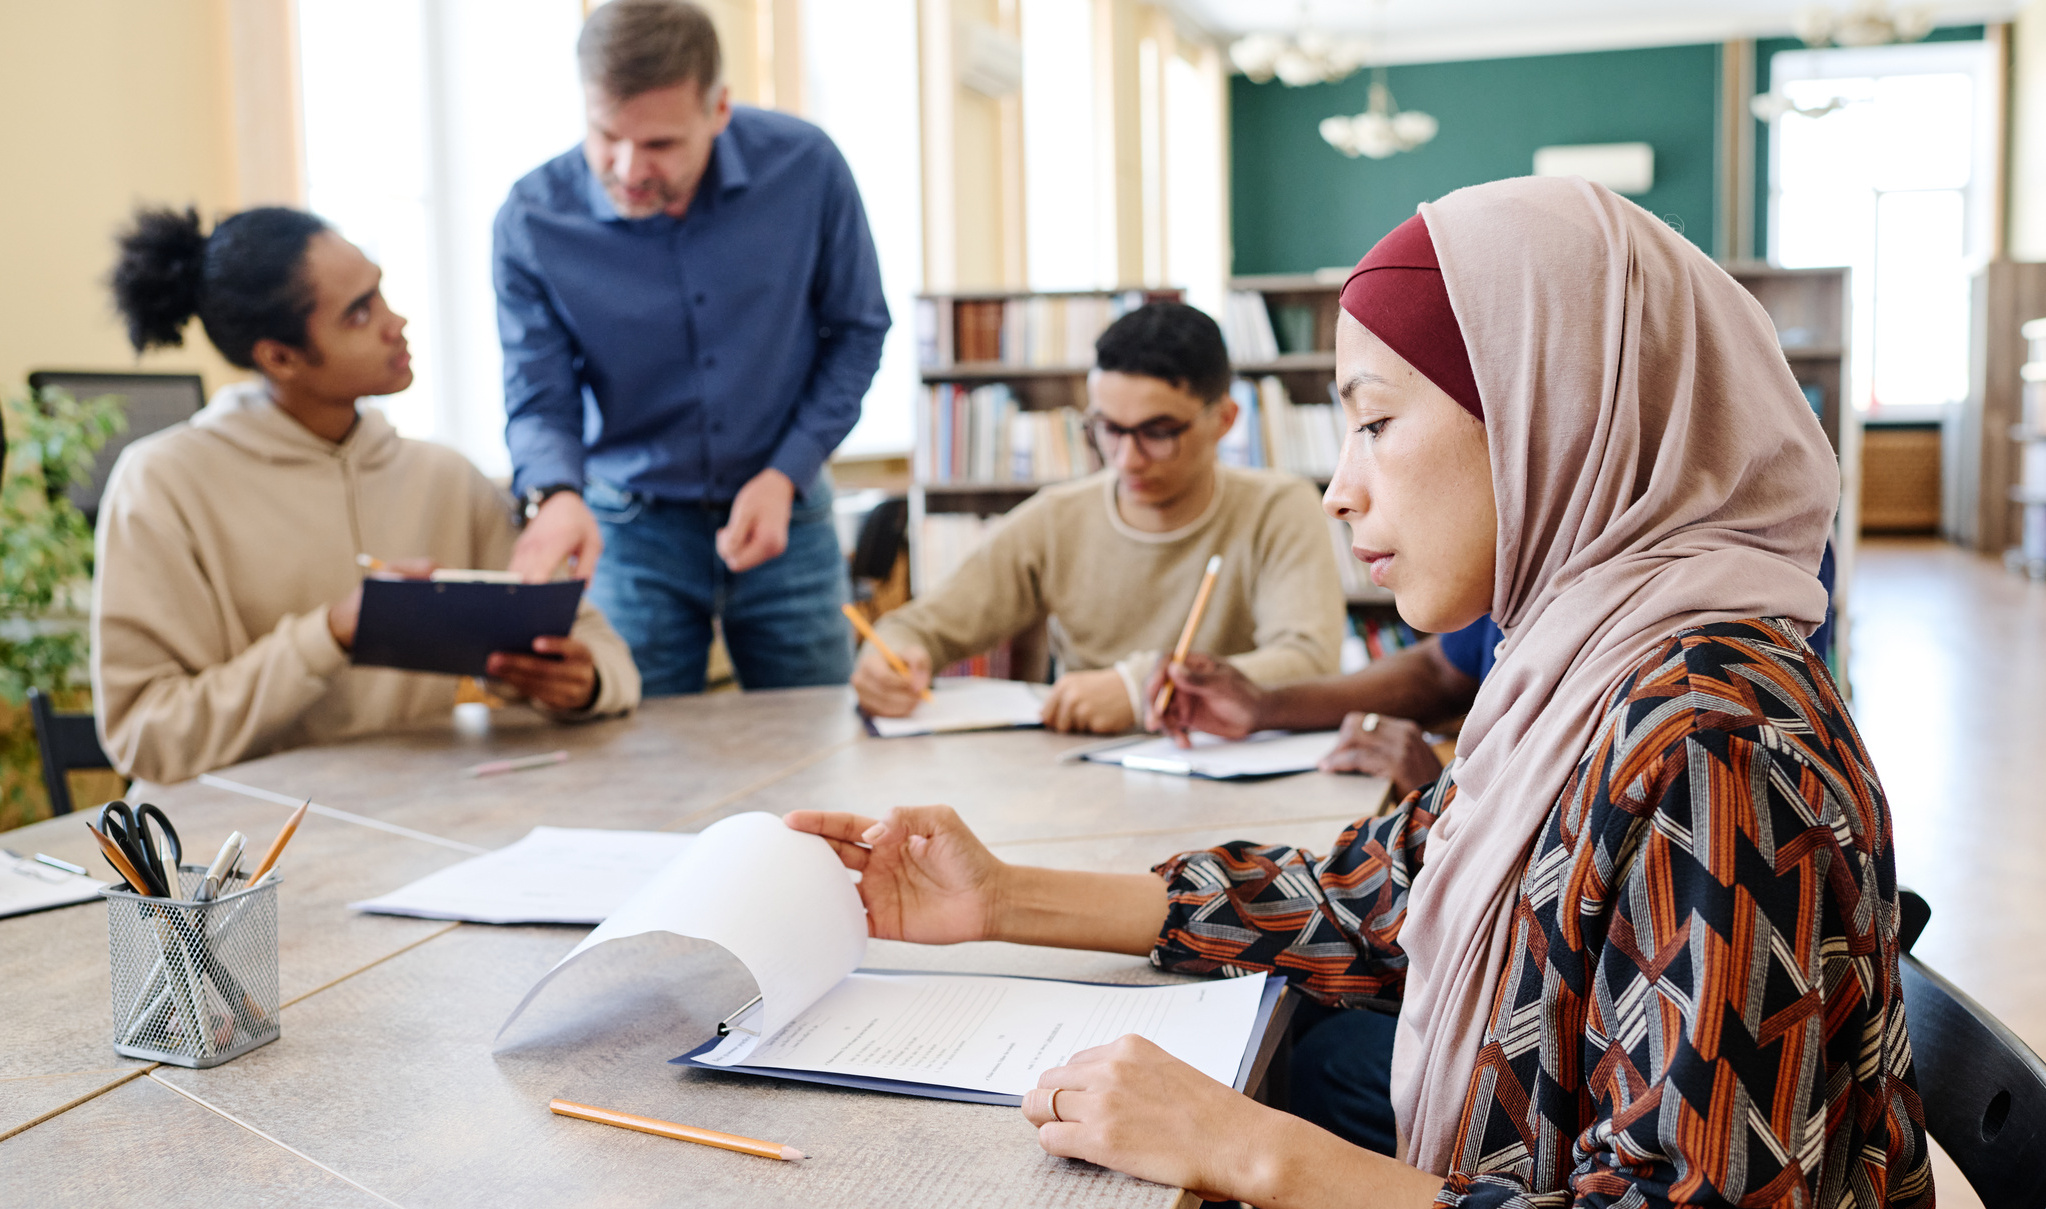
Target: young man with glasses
point(1112, 560)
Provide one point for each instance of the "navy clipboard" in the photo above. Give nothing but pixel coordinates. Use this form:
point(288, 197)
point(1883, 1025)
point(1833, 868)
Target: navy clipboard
point(454, 626)
point(1264, 1030)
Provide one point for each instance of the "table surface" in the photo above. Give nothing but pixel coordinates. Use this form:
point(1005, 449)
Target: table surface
point(388, 1084)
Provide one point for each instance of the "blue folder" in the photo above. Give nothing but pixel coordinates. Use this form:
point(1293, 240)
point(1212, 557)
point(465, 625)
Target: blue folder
point(454, 626)
point(1255, 1055)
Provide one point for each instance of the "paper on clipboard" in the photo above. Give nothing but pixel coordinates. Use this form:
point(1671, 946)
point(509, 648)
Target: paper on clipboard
point(966, 703)
point(1269, 753)
point(555, 875)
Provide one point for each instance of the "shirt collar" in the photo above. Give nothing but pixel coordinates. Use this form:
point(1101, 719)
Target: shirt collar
point(727, 173)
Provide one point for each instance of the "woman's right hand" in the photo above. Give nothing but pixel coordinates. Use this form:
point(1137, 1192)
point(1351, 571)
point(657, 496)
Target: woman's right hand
point(924, 876)
point(1208, 694)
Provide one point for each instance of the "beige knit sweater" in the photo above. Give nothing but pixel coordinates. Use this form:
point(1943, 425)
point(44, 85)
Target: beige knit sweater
point(1117, 596)
point(222, 541)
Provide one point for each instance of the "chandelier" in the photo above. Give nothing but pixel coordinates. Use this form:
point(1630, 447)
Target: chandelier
point(1865, 23)
point(1382, 130)
point(1306, 58)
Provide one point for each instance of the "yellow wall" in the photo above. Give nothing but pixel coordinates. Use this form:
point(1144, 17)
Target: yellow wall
point(107, 103)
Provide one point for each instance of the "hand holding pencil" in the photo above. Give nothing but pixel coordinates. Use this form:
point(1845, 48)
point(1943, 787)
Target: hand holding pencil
point(889, 684)
point(1186, 636)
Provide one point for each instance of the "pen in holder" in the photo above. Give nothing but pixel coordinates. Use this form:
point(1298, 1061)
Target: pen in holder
point(194, 983)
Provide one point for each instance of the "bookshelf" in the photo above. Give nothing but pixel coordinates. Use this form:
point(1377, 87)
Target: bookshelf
point(1810, 310)
point(2029, 434)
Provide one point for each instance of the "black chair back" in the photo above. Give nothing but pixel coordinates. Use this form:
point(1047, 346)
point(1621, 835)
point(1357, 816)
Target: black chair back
point(1984, 1090)
point(882, 534)
point(67, 742)
point(152, 402)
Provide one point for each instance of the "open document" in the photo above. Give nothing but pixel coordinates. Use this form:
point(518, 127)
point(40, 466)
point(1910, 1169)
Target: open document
point(27, 884)
point(963, 703)
point(555, 875)
point(780, 902)
point(1268, 753)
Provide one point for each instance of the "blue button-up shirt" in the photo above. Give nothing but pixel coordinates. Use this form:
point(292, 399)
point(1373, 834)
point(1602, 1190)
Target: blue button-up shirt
point(680, 357)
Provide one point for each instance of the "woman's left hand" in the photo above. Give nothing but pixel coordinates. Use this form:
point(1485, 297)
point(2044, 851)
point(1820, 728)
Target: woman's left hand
point(1131, 1106)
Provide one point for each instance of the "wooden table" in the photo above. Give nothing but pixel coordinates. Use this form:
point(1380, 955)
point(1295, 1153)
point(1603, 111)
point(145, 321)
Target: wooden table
point(387, 1085)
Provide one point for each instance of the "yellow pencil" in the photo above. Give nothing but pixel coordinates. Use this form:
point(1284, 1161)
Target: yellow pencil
point(668, 1129)
point(277, 845)
point(859, 622)
point(1186, 636)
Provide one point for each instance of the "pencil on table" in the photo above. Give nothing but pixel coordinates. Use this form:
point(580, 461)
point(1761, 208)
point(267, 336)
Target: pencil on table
point(867, 632)
point(668, 1129)
point(1186, 636)
point(277, 845)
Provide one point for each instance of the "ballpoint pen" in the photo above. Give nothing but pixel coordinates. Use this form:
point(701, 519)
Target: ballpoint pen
point(216, 873)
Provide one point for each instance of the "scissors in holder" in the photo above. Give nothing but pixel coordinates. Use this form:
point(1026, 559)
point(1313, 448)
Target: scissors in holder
point(150, 843)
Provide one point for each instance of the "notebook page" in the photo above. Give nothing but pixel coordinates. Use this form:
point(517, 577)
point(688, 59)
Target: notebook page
point(997, 1034)
point(966, 703)
point(555, 875)
point(27, 884)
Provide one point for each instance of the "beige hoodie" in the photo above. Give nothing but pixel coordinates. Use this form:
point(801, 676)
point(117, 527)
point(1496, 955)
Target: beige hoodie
point(222, 541)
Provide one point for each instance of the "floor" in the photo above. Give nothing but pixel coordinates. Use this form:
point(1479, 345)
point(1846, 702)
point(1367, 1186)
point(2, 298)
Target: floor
point(1948, 670)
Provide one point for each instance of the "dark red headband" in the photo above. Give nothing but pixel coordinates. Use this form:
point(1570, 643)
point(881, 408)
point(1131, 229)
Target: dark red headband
point(1397, 292)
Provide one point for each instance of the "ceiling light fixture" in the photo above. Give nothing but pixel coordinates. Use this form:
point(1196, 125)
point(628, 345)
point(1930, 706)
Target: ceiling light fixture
point(1381, 131)
point(1864, 23)
point(1305, 58)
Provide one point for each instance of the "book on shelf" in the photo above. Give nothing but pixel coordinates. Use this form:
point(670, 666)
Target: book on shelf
point(1304, 438)
point(1037, 330)
point(1247, 328)
point(985, 435)
point(944, 541)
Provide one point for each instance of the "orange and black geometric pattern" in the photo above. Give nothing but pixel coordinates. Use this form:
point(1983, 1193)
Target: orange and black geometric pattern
point(1702, 1005)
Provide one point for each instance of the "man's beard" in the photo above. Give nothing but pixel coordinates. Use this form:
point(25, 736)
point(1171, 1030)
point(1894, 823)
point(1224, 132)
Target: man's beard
point(662, 197)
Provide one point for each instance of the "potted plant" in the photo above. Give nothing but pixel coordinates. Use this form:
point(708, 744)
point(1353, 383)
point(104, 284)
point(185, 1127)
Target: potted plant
point(45, 575)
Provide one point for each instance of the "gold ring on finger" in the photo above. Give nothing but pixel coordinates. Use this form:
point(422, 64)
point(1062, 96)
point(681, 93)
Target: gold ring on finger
point(1055, 1105)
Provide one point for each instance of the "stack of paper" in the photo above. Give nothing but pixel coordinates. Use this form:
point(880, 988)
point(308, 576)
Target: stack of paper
point(965, 703)
point(556, 875)
point(29, 885)
point(1269, 753)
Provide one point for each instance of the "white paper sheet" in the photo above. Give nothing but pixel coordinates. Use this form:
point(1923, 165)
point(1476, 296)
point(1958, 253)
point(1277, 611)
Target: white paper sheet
point(997, 1034)
point(28, 885)
point(555, 875)
point(778, 900)
point(1267, 753)
point(962, 703)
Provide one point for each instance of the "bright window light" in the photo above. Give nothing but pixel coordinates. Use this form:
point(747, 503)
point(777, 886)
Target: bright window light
point(1894, 183)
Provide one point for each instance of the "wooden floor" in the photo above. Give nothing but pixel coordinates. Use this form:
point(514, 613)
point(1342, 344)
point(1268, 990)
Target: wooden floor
point(1948, 669)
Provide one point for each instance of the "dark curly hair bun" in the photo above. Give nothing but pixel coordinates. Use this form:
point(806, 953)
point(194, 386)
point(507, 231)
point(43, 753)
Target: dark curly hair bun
point(158, 276)
point(246, 281)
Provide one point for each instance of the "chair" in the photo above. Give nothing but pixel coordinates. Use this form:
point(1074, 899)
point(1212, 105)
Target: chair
point(1984, 1090)
point(152, 402)
point(67, 742)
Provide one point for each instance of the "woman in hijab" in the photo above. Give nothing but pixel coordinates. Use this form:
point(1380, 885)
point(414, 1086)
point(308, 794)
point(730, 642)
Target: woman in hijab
point(1641, 935)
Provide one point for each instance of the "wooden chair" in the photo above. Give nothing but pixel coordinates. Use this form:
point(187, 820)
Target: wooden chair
point(67, 742)
point(1984, 1090)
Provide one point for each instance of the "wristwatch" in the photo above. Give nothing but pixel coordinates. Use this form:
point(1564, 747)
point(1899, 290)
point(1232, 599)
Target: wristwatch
point(536, 496)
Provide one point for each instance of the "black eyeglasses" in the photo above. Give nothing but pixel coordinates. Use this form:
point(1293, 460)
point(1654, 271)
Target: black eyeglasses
point(1159, 439)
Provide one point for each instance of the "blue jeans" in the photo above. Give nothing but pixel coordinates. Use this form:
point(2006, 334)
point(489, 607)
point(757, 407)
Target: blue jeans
point(660, 582)
point(1342, 1073)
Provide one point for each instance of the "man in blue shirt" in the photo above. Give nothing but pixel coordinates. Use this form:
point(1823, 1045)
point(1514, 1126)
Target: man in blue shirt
point(691, 311)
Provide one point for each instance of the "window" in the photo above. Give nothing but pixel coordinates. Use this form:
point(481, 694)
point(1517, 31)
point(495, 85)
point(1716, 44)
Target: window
point(1894, 182)
point(419, 116)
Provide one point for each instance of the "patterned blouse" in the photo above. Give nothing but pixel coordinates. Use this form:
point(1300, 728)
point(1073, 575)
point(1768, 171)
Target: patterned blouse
point(1703, 1006)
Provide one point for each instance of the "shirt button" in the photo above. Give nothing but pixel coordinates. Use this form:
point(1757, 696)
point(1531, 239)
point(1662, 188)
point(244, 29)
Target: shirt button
point(717, 425)
point(710, 363)
point(702, 298)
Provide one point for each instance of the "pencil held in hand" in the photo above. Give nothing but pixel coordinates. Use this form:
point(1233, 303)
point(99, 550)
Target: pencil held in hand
point(1186, 636)
point(859, 623)
point(668, 1129)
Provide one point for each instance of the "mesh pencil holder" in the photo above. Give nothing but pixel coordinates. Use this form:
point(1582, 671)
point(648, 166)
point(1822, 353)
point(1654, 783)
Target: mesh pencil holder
point(195, 984)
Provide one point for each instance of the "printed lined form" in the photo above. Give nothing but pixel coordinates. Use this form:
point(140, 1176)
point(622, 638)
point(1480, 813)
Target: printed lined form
point(997, 1034)
point(963, 703)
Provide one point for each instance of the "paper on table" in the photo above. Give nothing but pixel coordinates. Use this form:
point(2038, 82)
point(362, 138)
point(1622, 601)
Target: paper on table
point(962, 703)
point(555, 875)
point(1268, 753)
point(29, 885)
point(778, 900)
point(997, 1034)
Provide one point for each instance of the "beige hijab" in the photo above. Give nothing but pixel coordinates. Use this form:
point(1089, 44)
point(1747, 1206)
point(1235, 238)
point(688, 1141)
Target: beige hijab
point(1656, 468)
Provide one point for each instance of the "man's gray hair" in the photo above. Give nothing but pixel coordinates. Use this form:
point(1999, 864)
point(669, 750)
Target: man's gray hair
point(629, 47)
